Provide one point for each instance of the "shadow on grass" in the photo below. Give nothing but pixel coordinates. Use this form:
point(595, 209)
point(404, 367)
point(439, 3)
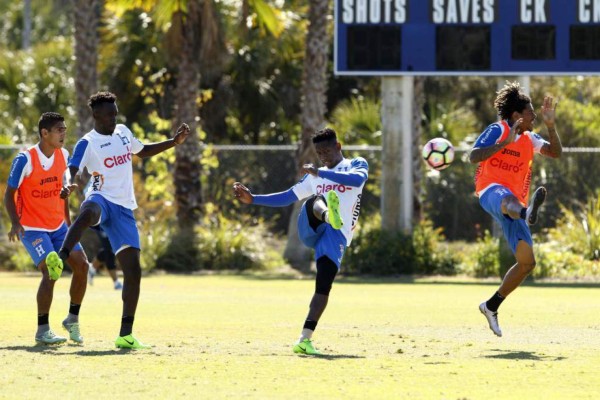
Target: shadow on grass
point(54, 350)
point(420, 280)
point(522, 355)
point(331, 356)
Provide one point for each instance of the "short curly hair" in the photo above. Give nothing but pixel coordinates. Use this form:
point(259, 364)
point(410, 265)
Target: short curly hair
point(100, 98)
point(48, 120)
point(509, 99)
point(324, 135)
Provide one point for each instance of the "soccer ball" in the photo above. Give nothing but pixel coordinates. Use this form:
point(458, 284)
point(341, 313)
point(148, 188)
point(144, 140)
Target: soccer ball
point(438, 153)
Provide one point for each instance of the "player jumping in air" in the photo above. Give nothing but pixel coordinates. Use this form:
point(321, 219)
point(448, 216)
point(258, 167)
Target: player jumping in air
point(326, 220)
point(39, 219)
point(505, 152)
point(107, 151)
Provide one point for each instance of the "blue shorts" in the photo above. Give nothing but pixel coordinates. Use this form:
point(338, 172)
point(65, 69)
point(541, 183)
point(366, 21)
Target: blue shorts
point(514, 229)
point(40, 243)
point(325, 240)
point(118, 223)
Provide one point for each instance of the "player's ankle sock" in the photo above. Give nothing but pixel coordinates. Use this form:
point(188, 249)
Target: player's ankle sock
point(64, 253)
point(325, 216)
point(523, 213)
point(126, 326)
point(308, 329)
point(43, 324)
point(73, 313)
point(494, 302)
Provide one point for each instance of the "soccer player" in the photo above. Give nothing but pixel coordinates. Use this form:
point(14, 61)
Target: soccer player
point(505, 153)
point(327, 218)
point(106, 151)
point(39, 220)
point(105, 258)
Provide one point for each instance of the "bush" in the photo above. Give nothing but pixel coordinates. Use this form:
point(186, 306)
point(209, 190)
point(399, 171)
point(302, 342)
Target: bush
point(219, 243)
point(483, 260)
point(579, 230)
point(375, 251)
point(554, 262)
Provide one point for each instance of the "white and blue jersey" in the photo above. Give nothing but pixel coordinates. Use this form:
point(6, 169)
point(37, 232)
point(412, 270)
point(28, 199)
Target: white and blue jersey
point(491, 136)
point(108, 159)
point(347, 179)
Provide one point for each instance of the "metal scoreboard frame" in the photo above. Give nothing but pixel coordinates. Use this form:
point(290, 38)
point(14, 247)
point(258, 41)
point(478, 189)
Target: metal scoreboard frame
point(467, 37)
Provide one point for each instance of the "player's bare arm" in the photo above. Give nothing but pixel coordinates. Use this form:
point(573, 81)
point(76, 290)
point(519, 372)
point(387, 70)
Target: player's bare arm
point(152, 149)
point(16, 230)
point(242, 193)
point(479, 154)
point(70, 186)
point(554, 148)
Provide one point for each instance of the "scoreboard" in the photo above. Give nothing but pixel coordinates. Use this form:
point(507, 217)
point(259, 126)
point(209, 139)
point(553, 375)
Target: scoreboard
point(467, 37)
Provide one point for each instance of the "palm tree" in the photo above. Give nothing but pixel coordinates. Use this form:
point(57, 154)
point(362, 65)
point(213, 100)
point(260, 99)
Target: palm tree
point(186, 176)
point(417, 164)
point(86, 15)
point(312, 118)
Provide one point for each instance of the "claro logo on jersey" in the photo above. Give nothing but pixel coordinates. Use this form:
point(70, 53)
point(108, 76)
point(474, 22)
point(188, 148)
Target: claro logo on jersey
point(118, 160)
point(44, 194)
point(338, 188)
point(503, 165)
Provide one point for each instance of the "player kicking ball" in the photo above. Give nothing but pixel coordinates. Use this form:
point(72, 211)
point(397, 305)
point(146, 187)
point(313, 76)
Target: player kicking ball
point(327, 218)
point(505, 153)
point(107, 152)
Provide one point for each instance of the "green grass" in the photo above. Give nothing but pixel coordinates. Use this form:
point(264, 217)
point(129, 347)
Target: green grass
point(230, 337)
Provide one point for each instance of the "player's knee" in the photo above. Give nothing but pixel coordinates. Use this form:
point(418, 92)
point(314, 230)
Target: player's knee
point(326, 272)
point(90, 214)
point(529, 266)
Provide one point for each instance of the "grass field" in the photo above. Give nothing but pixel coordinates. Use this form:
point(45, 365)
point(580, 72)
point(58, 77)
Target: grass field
point(230, 337)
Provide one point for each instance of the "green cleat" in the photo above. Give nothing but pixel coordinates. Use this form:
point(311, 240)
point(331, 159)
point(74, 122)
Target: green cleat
point(333, 205)
point(73, 329)
point(49, 337)
point(306, 347)
point(129, 342)
point(54, 265)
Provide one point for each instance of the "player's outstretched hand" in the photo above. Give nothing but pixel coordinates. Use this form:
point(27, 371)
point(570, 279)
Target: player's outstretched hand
point(67, 190)
point(16, 233)
point(549, 111)
point(310, 169)
point(182, 133)
point(242, 193)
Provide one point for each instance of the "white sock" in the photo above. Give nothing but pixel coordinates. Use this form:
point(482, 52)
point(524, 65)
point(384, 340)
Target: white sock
point(306, 334)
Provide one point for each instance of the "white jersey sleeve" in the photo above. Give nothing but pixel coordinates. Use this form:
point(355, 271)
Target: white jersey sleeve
point(304, 187)
point(136, 144)
point(537, 140)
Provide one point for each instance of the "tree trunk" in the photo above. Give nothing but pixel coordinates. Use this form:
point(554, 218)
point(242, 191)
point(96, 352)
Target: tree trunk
point(312, 118)
point(86, 17)
point(418, 190)
point(186, 175)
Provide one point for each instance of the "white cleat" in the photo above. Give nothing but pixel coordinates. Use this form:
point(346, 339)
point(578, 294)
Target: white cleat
point(91, 274)
point(539, 196)
point(492, 318)
point(49, 337)
point(74, 333)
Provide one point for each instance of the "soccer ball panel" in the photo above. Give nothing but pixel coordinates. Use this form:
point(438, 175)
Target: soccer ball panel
point(438, 153)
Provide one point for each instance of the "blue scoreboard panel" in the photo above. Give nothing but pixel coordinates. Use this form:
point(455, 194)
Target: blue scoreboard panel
point(467, 37)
